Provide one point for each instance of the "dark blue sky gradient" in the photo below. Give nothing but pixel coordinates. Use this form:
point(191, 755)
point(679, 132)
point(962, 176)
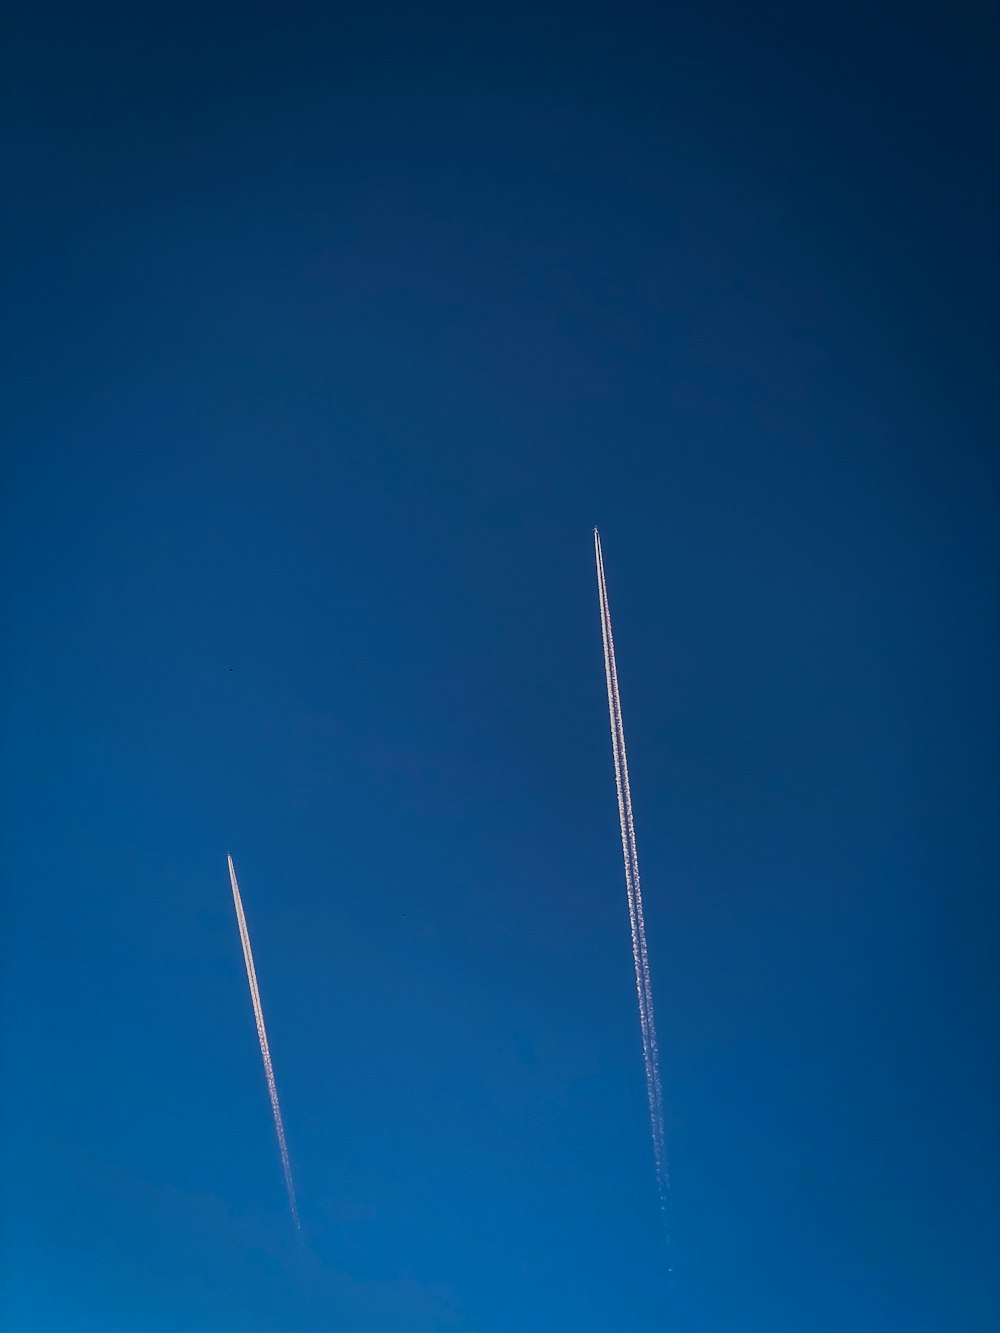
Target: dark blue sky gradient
point(329, 334)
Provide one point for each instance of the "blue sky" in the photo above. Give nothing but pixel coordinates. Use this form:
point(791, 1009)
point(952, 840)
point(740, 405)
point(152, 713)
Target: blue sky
point(329, 335)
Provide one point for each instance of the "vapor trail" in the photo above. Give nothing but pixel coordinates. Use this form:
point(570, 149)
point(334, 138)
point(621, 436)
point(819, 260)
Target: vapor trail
point(640, 957)
point(265, 1050)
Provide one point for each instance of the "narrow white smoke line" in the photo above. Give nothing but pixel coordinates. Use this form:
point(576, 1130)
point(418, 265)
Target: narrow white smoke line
point(625, 814)
point(640, 954)
point(265, 1049)
point(639, 950)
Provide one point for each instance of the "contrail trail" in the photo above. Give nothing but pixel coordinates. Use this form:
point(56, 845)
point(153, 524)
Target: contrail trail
point(265, 1050)
point(643, 984)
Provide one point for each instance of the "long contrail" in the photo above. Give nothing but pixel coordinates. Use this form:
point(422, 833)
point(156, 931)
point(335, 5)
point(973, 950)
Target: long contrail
point(640, 956)
point(265, 1050)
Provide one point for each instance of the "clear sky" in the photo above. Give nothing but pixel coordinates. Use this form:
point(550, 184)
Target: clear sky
point(329, 334)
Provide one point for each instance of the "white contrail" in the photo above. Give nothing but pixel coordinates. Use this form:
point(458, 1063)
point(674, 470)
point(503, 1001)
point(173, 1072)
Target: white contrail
point(265, 1050)
point(640, 957)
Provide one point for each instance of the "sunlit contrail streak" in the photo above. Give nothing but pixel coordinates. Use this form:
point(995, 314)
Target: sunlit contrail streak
point(640, 957)
point(265, 1050)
